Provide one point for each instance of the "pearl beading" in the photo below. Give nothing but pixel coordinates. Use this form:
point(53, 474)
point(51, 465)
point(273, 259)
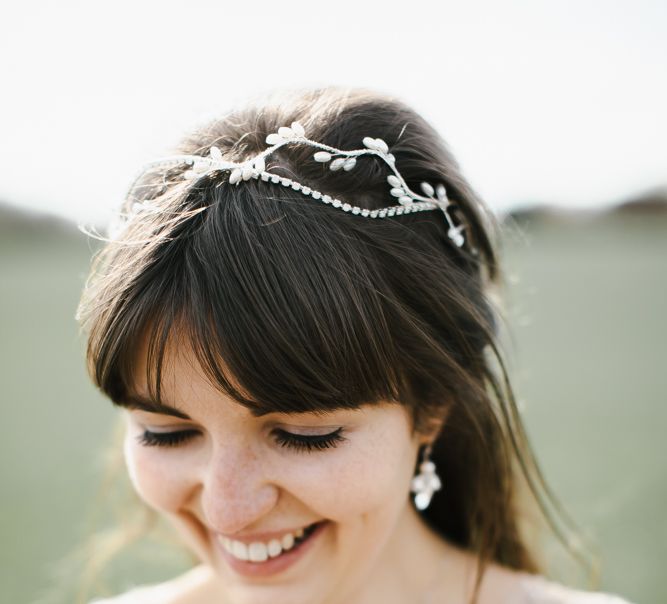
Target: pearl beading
point(408, 201)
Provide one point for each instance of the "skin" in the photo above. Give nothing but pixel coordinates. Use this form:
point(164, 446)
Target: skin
point(233, 478)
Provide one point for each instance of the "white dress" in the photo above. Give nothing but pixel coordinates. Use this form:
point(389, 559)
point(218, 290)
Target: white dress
point(535, 589)
point(533, 592)
point(531, 589)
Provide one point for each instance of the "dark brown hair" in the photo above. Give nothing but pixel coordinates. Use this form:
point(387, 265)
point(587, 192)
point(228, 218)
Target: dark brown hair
point(294, 306)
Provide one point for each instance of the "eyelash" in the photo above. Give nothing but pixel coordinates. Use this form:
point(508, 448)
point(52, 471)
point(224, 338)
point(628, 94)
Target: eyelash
point(301, 442)
point(298, 442)
point(165, 439)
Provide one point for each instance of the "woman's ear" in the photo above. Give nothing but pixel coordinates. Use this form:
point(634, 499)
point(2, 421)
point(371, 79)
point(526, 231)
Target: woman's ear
point(432, 428)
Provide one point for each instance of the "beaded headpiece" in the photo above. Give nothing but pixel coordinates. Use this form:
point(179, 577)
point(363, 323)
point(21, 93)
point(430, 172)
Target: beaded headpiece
point(338, 159)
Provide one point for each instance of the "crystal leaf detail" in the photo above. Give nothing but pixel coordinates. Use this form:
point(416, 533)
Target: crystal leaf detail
point(260, 164)
point(298, 129)
point(337, 164)
point(350, 162)
point(427, 189)
point(235, 176)
point(322, 156)
point(394, 181)
point(274, 139)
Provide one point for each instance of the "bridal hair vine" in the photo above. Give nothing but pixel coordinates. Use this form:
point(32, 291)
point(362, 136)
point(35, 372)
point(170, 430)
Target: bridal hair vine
point(337, 159)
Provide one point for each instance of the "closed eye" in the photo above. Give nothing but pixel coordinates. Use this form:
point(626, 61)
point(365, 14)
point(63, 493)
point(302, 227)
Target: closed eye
point(309, 442)
point(166, 439)
point(298, 442)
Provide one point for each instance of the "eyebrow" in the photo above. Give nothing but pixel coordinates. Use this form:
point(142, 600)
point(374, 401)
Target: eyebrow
point(151, 406)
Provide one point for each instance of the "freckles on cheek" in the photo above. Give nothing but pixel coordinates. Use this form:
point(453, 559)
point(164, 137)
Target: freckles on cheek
point(354, 483)
point(153, 478)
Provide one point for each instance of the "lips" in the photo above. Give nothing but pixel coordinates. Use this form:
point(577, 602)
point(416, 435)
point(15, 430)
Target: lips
point(260, 551)
point(263, 558)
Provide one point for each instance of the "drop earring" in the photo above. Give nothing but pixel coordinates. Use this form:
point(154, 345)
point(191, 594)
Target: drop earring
point(427, 482)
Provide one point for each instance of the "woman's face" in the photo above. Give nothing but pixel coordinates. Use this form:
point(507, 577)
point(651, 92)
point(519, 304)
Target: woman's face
point(315, 501)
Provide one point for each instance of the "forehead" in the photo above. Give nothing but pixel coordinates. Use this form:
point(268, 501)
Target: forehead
point(187, 393)
point(175, 383)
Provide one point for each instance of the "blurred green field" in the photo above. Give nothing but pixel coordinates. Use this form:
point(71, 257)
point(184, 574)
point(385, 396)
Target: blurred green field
point(586, 304)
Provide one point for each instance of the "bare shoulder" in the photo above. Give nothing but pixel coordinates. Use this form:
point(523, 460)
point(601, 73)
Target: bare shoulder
point(189, 588)
point(524, 588)
point(538, 590)
point(500, 584)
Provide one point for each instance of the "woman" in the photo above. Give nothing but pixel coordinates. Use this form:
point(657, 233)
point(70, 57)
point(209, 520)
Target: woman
point(295, 315)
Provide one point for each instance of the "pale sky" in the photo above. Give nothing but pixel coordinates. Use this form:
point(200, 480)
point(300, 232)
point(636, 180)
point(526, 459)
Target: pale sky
point(558, 102)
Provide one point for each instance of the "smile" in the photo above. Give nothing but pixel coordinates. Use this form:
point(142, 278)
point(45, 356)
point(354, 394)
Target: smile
point(261, 558)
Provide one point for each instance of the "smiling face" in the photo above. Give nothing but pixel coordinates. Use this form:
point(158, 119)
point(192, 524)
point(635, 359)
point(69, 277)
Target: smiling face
point(318, 502)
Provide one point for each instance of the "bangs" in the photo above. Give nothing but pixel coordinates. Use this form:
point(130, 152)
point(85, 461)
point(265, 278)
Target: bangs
point(280, 300)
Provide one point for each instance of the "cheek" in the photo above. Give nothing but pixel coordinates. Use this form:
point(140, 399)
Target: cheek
point(363, 476)
point(156, 478)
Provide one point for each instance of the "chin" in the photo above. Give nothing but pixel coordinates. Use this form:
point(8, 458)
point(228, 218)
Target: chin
point(296, 575)
point(274, 595)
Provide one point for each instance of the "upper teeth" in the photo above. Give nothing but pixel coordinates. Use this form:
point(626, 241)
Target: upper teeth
point(258, 551)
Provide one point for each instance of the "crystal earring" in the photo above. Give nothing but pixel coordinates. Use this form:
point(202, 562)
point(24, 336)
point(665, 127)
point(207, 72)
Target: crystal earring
point(427, 482)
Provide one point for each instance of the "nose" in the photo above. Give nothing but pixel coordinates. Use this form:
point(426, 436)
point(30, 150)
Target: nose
point(236, 492)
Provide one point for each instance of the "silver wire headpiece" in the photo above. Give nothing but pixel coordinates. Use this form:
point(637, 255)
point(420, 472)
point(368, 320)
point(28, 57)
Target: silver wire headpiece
point(338, 159)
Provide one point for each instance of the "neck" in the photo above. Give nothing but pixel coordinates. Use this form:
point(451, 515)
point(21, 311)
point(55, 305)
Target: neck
point(410, 565)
